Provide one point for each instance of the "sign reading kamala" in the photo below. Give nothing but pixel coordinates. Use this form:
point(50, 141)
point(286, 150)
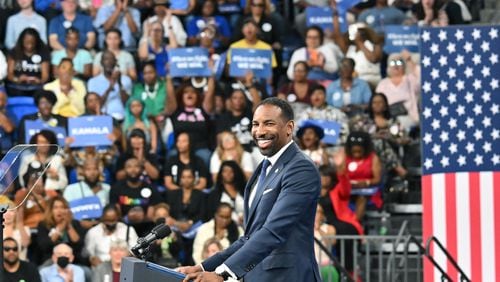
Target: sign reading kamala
point(189, 62)
point(323, 17)
point(32, 127)
point(90, 130)
point(255, 60)
point(86, 208)
point(331, 129)
point(399, 37)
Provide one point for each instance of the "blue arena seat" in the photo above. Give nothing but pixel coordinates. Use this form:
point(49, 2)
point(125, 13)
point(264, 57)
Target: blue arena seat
point(21, 106)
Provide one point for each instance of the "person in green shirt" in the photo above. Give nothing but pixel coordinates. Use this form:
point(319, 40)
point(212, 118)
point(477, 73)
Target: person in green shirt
point(154, 93)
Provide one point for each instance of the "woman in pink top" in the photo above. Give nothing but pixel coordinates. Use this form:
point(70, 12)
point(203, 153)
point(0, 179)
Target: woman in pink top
point(402, 86)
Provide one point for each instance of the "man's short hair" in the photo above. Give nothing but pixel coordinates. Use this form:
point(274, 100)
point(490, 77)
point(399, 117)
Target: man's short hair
point(11, 240)
point(286, 109)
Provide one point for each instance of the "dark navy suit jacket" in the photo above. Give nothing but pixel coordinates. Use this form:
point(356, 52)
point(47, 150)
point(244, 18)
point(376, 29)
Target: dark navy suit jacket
point(278, 244)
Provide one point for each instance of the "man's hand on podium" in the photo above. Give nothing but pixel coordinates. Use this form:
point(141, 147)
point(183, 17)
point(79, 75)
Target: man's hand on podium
point(189, 269)
point(203, 277)
point(196, 274)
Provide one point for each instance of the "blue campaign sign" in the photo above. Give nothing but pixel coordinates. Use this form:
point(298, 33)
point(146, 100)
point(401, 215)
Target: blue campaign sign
point(323, 17)
point(399, 37)
point(32, 127)
point(179, 4)
point(256, 60)
point(331, 129)
point(219, 65)
point(344, 5)
point(90, 130)
point(229, 8)
point(189, 62)
point(86, 208)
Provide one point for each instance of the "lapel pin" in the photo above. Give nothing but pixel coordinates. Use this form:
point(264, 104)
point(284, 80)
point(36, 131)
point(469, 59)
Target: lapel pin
point(276, 171)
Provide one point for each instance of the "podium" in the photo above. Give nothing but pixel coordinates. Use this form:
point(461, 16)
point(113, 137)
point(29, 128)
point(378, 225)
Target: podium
point(134, 270)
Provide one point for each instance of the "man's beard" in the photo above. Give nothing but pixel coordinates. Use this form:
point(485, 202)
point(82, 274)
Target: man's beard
point(133, 179)
point(11, 263)
point(93, 183)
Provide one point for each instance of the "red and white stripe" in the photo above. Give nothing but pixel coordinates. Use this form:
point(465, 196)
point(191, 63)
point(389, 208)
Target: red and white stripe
point(462, 210)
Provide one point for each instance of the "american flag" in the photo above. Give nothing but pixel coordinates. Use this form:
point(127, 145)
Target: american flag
point(461, 148)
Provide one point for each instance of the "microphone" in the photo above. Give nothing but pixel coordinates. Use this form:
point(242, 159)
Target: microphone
point(159, 232)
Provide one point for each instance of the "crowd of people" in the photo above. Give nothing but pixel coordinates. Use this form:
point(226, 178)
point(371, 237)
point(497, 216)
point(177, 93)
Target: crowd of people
point(182, 149)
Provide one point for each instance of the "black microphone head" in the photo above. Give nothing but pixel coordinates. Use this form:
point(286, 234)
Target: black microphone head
point(160, 220)
point(162, 231)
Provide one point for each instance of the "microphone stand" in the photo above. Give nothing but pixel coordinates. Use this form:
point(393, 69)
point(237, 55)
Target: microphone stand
point(142, 253)
point(3, 210)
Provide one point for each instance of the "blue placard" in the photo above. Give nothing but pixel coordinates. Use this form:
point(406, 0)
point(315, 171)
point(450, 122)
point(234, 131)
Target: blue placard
point(229, 8)
point(399, 37)
point(344, 5)
point(189, 62)
point(323, 17)
point(219, 65)
point(32, 127)
point(256, 60)
point(331, 129)
point(86, 208)
point(90, 130)
point(179, 4)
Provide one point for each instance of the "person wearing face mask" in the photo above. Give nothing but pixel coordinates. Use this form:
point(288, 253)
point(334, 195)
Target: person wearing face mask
point(99, 239)
point(63, 269)
point(134, 192)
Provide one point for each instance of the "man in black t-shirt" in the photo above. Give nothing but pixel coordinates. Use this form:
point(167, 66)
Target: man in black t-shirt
point(134, 192)
point(16, 270)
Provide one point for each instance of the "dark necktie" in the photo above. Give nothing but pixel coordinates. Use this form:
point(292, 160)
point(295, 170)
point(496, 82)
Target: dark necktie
point(262, 178)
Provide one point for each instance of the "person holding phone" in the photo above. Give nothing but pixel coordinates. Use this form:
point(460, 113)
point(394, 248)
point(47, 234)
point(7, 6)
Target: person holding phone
point(317, 56)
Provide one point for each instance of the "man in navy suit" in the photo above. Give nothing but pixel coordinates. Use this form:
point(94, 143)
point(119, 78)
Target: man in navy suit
point(280, 204)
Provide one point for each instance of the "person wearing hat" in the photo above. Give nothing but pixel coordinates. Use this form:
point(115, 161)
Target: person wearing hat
point(45, 101)
point(319, 109)
point(310, 136)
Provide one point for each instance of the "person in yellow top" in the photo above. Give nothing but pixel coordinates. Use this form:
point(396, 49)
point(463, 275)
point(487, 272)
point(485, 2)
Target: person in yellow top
point(250, 41)
point(69, 91)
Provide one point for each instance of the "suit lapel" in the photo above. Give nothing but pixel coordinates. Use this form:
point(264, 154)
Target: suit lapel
point(248, 190)
point(276, 170)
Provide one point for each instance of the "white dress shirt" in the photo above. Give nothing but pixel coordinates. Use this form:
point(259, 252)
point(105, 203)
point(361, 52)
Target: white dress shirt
point(272, 160)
